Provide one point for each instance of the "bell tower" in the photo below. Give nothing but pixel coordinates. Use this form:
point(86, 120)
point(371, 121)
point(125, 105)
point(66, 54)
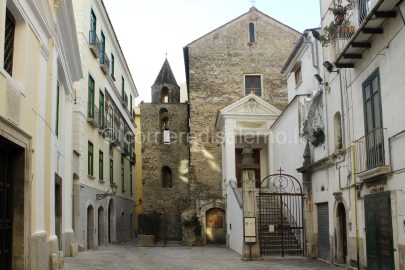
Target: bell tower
point(165, 89)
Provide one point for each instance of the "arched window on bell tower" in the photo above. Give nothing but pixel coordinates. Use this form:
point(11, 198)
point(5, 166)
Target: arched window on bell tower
point(164, 95)
point(164, 125)
point(166, 177)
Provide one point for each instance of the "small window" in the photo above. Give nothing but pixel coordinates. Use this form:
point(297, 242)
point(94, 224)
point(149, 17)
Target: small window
point(111, 172)
point(9, 42)
point(93, 21)
point(122, 179)
point(123, 88)
point(252, 33)
point(102, 48)
point(90, 159)
point(57, 110)
point(337, 123)
point(166, 175)
point(90, 104)
point(298, 76)
point(164, 95)
point(102, 110)
point(101, 165)
point(253, 84)
point(112, 66)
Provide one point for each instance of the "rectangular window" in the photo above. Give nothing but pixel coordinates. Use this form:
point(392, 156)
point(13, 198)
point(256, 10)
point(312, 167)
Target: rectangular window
point(111, 172)
point(9, 42)
point(130, 104)
point(102, 48)
point(90, 159)
point(253, 84)
point(90, 108)
point(298, 76)
point(112, 66)
point(101, 106)
point(130, 180)
point(111, 117)
point(100, 165)
point(122, 88)
point(373, 121)
point(57, 110)
point(93, 21)
point(252, 32)
point(122, 179)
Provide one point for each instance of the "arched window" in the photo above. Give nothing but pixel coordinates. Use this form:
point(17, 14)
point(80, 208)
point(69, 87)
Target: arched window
point(166, 175)
point(164, 125)
point(164, 95)
point(252, 33)
point(337, 123)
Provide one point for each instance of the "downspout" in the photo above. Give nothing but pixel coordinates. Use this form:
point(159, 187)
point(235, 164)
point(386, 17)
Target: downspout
point(238, 196)
point(342, 109)
point(355, 205)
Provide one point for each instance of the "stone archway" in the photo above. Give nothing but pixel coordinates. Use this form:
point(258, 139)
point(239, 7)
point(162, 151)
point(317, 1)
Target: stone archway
point(101, 226)
point(90, 227)
point(111, 222)
point(204, 209)
point(341, 234)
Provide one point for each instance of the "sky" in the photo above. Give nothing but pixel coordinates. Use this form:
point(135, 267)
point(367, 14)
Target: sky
point(148, 29)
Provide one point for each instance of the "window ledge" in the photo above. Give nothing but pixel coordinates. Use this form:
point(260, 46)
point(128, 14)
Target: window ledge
point(91, 177)
point(372, 173)
point(101, 181)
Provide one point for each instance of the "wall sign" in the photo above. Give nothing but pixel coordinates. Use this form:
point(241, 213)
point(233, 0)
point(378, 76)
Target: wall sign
point(249, 228)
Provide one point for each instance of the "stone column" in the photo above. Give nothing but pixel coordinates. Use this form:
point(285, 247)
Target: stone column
point(251, 251)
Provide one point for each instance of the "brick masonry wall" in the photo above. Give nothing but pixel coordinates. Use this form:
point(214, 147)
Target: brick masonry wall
point(217, 64)
point(169, 201)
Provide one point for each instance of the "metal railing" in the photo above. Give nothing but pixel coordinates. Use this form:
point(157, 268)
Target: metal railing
point(105, 63)
point(93, 114)
point(94, 42)
point(370, 150)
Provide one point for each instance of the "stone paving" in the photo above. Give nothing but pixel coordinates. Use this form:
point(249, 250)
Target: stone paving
point(131, 257)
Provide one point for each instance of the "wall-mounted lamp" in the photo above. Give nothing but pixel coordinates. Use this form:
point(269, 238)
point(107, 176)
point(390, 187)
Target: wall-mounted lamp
point(329, 67)
point(318, 78)
point(104, 195)
point(140, 202)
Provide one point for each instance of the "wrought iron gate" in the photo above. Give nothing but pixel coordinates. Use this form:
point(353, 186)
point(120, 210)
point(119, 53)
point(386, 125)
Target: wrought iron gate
point(280, 203)
point(5, 213)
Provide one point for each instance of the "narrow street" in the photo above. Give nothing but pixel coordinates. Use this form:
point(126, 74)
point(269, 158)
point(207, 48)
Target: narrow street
point(130, 257)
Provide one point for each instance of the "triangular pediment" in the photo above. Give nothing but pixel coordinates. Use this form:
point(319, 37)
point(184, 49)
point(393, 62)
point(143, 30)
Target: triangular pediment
point(251, 104)
point(250, 108)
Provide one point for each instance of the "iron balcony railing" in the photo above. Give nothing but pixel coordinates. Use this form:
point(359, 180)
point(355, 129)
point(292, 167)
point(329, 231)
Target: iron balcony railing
point(104, 63)
point(370, 151)
point(94, 43)
point(344, 26)
point(93, 115)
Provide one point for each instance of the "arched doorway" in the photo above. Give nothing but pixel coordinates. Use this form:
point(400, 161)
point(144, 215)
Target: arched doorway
point(90, 227)
point(111, 223)
point(215, 226)
point(101, 226)
point(341, 234)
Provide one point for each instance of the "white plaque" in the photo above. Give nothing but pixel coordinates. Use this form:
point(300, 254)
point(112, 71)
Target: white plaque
point(271, 228)
point(249, 225)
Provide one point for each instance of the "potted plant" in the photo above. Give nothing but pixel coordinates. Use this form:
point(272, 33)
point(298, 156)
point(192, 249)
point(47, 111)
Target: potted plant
point(340, 11)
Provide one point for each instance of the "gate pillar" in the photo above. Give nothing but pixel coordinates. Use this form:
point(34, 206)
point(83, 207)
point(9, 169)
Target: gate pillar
point(251, 248)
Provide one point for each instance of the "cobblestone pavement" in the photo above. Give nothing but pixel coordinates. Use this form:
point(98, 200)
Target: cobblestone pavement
point(130, 257)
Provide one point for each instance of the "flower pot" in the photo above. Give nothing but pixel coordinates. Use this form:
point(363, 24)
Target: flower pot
point(339, 18)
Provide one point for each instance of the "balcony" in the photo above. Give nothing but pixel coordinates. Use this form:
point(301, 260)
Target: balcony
point(94, 43)
point(370, 155)
point(105, 63)
point(93, 115)
point(362, 23)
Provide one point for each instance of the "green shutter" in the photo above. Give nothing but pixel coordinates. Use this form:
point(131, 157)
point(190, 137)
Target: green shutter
point(100, 165)
point(90, 159)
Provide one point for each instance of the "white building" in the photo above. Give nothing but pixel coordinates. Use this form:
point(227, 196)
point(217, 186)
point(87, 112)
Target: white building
point(353, 174)
point(103, 131)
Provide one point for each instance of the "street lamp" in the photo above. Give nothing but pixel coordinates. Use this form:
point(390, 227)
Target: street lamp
point(104, 195)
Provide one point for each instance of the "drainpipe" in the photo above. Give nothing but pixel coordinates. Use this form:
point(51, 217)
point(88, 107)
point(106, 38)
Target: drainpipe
point(355, 205)
point(342, 109)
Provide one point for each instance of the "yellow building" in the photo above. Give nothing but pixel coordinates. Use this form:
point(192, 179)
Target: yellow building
point(138, 166)
point(39, 70)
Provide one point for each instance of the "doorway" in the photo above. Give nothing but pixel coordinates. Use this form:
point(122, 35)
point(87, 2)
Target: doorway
point(111, 226)
point(378, 221)
point(58, 209)
point(215, 229)
point(90, 227)
point(12, 202)
point(101, 230)
point(323, 231)
point(341, 234)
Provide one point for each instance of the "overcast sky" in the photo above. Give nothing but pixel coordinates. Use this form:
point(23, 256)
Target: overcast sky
point(147, 29)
